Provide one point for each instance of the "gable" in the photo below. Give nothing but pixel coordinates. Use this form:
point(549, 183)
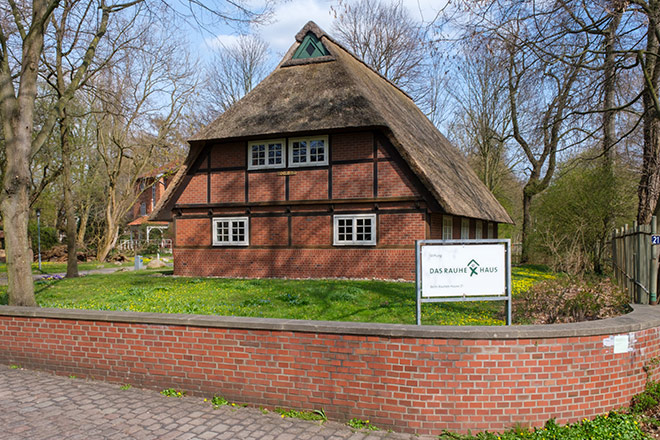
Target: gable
point(311, 47)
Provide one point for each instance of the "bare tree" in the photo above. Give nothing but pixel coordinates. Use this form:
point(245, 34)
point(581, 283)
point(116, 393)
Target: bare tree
point(23, 26)
point(387, 38)
point(481, 91)
point(63, 58)
point(21, 43)
point(141, 102)
point(234, 70)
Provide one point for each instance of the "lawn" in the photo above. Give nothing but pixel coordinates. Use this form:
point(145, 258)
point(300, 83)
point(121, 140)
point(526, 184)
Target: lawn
point(49, 268)
point(333, 300)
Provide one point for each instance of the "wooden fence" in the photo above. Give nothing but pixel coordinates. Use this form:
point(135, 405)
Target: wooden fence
point(635, 261)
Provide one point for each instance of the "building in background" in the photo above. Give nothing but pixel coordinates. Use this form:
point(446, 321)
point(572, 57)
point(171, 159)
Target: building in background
point(150, 188)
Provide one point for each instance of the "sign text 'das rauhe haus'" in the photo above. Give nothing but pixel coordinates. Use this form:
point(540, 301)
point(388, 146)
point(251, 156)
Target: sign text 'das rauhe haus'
point(460, 270)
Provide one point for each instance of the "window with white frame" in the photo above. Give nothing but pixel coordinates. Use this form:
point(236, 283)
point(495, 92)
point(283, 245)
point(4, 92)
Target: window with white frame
point(447, 227)
point(465, 228)
point(308, 151)
point(357, 229)
point(231, 231)
point(266, 154)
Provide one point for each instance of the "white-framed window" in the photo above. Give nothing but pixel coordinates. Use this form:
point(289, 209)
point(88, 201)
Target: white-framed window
point(358, 229)
point(491, 230)
point(231, 231)
point(479, 232)
point(465, 228)
point(266, 154)
point(447, 227)
point(308, 151)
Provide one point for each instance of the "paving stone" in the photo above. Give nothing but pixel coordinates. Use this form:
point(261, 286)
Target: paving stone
point(40, 406)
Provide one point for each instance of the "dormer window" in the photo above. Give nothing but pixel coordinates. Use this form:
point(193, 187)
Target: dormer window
point(308, 151)
point(311, 47)
point(266, 154)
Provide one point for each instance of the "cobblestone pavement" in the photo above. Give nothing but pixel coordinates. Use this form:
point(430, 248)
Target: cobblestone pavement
point(37, 405)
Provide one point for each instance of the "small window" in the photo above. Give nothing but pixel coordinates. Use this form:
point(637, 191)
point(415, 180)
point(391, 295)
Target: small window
point(447, 227)
point(142, 184)
point(491, 232)
point(310, 47)
point(266, 154)
point(230, 231)
point(479, 233)
point(143, 208)
point(153, 196)
point(311, 151)
point(355, 230)
point(465, 228)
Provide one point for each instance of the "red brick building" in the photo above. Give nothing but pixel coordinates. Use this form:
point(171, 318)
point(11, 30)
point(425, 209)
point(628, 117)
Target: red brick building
point(325, 169)
point(150, 188)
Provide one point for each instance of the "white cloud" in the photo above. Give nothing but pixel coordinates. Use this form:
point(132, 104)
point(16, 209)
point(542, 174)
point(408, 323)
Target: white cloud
point(221, 40)
point(290, 17)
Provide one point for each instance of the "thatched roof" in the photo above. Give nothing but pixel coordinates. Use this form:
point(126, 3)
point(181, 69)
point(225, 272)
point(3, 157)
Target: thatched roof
point(340, 91)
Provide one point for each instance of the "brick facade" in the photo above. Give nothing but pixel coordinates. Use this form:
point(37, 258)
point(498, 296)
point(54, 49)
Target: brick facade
point(290, 212)
point(413, 379)
point(149, 190)
point(253, 262)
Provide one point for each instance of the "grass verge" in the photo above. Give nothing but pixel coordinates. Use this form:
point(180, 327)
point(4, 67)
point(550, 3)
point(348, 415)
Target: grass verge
point(332, 300)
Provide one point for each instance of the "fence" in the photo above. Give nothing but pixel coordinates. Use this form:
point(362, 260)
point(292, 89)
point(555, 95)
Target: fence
point(165, 244)
point(635, 261)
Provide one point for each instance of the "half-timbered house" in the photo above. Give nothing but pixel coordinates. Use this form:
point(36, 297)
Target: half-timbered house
point(325, 169)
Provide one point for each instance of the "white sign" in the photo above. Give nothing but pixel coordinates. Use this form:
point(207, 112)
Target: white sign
point(620, 344)
point(463, 270)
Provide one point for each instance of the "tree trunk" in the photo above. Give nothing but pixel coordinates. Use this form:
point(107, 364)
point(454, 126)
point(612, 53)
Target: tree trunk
point(17, 115)
point(111, 232)
point(69, 210)
point(526, 227)
point(649, 183)
point(82, 227)
point(108, 241)
point(16, 213)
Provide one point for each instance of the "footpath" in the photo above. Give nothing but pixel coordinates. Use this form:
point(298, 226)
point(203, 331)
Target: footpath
point(38, 276)
point(36, 405)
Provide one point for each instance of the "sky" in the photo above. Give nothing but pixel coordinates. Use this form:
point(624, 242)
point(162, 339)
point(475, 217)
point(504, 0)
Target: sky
point(290, 16)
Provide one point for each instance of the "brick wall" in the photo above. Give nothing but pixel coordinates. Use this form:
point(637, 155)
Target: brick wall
point(413, 379)
point(340, 262)
point(350, 175)
point(401, 229)
point(229, 154)
point(352, 146)
point(195, 191)
point(353, 181)
point(228, 186)
point(350, 180)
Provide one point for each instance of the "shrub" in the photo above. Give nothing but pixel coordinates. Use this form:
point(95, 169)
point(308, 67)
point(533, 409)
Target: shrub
point(569, 300)
point(647, 399)
point(49, 237)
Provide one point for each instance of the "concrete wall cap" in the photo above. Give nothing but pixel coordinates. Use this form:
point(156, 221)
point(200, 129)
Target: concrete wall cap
point(641, 318)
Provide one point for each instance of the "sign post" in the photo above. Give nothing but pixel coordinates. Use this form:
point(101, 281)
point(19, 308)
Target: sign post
point(463, 270)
